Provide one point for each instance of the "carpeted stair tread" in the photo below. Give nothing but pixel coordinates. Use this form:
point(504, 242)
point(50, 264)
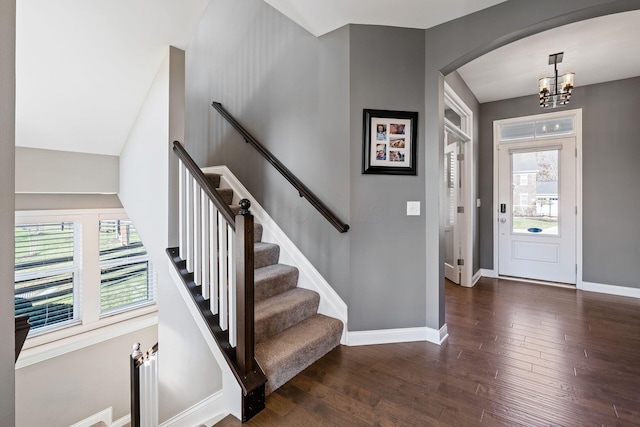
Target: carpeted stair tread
point(284, 310)
point(235, 209)
point(226, 194)
point(284, 355)
point(214, 178)
point(274, 279)
point(265, 254)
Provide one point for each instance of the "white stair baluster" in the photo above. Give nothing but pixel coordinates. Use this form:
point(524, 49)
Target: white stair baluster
point(204, 215)
point(189, 253)
point(223, 275)
point(213, 257)
point(232, 287)
point(197, 235)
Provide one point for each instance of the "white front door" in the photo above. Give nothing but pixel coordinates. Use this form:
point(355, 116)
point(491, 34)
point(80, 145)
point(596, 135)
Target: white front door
point(537, 209)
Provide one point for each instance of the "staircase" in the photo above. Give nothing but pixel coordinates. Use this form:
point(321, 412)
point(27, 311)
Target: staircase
point(289, 333)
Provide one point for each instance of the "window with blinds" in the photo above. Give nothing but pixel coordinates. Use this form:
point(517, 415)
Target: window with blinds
point(126, 276)
point(47, 273)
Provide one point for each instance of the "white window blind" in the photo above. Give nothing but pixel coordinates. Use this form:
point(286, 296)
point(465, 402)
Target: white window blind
point(126, 275)
point(47, 273)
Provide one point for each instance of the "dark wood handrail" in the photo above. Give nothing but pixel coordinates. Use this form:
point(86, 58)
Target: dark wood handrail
point(303, 190)
point(206, 185)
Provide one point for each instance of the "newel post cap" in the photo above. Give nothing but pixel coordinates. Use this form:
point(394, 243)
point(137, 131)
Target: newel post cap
point(245, 204)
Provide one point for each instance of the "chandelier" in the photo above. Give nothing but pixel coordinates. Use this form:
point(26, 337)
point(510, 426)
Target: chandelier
point(555, 90)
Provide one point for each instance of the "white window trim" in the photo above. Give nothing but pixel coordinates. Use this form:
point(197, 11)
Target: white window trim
point(92, 328)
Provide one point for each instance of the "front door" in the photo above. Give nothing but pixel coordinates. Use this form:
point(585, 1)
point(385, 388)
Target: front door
point(537, 210)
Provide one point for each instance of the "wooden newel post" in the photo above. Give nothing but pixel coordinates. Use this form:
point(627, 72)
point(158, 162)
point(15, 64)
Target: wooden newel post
point(135, 385)
point(245, 346)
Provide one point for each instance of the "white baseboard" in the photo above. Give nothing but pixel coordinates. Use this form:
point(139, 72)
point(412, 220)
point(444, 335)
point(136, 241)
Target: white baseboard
point(121, 422)
point(611, 289)
point(485, 272)
point(102, 416)
point(390, 336)
point(208, 411)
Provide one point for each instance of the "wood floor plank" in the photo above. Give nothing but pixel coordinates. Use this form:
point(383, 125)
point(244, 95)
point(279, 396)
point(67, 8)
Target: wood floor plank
point(518, 354)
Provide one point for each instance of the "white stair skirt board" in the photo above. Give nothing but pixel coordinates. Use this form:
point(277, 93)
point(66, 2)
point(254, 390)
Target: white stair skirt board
point(622, 291)
point(102, 416)
point(390, 336)
point(227, 400)
point(330, 302)
point(208, 412)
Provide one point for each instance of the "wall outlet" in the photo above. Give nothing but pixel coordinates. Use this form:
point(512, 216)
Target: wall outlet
point(413, 208)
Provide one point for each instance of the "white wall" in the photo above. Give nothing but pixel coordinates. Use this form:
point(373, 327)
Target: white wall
point(52, 171)
point(7, 147)
point(61, 391)
point(188, 372)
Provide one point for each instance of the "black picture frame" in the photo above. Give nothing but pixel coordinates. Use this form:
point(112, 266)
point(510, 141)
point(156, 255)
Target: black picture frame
point(389, 142)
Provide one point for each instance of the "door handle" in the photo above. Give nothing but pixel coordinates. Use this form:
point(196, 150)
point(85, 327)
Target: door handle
point(503, 220)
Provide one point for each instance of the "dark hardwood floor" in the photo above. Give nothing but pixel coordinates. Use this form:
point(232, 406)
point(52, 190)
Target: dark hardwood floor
point(517, 354)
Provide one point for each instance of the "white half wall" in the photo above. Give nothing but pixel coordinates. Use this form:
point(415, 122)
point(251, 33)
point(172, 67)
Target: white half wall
point(64, 172)
point(66, 389)
point(187, 371)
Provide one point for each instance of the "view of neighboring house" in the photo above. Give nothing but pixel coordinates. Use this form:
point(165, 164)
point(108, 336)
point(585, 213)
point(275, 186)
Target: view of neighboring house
point(91, 143)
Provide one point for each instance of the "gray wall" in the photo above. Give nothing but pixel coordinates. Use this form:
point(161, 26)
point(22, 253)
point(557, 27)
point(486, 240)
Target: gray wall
point(303, 98)
point(611, 201)
point(452, 45)
point(291, 90)
point(387, 247)
point(7, 177)
point(53, 171)
point(61, 391)
point(455, 81)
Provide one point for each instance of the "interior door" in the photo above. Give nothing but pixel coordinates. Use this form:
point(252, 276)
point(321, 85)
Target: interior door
point(451, 228)
point(537, 210)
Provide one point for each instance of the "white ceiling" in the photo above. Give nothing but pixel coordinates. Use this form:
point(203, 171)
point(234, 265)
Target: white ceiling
point(322, 16)
point(597, 50)
point(84, 67)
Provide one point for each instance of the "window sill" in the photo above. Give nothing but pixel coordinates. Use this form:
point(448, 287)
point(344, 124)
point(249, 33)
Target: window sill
point(56, 343)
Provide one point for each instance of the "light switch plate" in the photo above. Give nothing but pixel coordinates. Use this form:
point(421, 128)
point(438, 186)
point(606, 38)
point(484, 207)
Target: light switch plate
point(413, 208)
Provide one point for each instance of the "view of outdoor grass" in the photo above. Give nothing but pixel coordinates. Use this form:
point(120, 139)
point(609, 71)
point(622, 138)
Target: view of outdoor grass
point(122, 283)
point(45, 269)
point(43, 289)
point(524, 223)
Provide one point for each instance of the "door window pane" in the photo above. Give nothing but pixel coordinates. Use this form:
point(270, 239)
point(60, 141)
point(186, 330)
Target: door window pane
point(516, 131)
point(535, 201)
point(554, 127)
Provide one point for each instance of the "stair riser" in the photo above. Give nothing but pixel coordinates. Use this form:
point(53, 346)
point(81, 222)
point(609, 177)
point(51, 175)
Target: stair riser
point(275, 322)
point(265, 256)
point(274, 285)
